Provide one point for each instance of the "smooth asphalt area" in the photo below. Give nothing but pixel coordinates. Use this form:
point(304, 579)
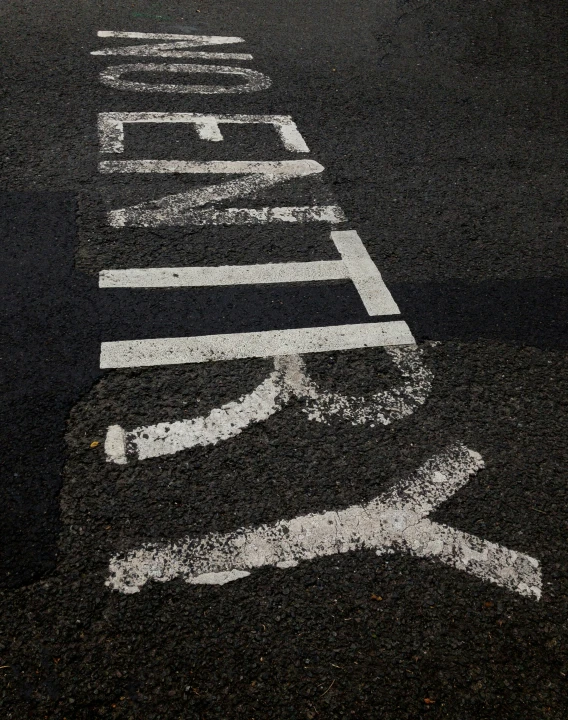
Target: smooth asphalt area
point(283, 359)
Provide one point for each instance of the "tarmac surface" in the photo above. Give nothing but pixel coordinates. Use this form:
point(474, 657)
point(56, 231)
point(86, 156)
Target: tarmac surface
point(166, 550)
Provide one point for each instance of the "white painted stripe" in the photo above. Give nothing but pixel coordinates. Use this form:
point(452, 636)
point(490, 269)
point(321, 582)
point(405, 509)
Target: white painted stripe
point(364, 274)
point(208, 131)
point(221, 578)
point(173, 50)
point(356, 266)
point(225, 275)
point(178, 209)
point(115, 445)
point(488, 561)
point(195, 39)
point(212, 348)
point(395, 520)
point(111, 127)
point(288, 380)
point(382, 408)
point(291, 138)
point(221, 423)
point(174, 209)
point(271, 168)
point(255, 81)
point(231, 216)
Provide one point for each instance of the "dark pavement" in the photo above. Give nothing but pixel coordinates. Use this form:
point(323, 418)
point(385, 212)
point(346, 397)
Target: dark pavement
point(442, 130)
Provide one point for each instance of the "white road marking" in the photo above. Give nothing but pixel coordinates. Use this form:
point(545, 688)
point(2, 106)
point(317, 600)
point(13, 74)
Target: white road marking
point(396, 520)
point(383, 407)
point(255, 81)
point(179, 209)
point(356, 265)
point(115, 445)
point(194, 40)
point(221, 578)
point(289, 379)
point(231, 216)
point(221, 423)
point(225, 275)
point(174, 50)
point(272, 169)
point(213, 348)
point(111, 127)
point(364, 274)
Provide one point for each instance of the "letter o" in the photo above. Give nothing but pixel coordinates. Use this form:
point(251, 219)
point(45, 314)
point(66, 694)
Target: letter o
point(112, 77)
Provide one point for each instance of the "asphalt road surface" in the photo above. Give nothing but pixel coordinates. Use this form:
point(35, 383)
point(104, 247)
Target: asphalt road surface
point(284, 329)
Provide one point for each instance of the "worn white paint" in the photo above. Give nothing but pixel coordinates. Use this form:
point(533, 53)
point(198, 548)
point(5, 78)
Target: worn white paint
point(222, 423)
point(219, 578)
point(225, 275)
point(115, 445)
point(289, 379)
point(364, 274)
point(396, 520)
point(191, 40)
point(272, 169)
point(254, 80)
point(356, 265)
point(382, 408)
point(111, 127)
point(232, 346)
point(179, 209)
point(230, 216)
point(172, 50)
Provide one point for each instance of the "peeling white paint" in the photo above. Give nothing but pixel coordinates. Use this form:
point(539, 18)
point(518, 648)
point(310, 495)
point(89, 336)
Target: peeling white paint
point(115, 445)
point(179, 209)
point(254, 81)
point(219, 578)
point(111, 127)
point(267, 343)
point(356, 265)
point(191, 40)
point(384, 407)
point(289, 379)
point(231, 216)
point(221, 423)
point(207, 276)
point(273, 169)
point(173, 50)
point(396, 520)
